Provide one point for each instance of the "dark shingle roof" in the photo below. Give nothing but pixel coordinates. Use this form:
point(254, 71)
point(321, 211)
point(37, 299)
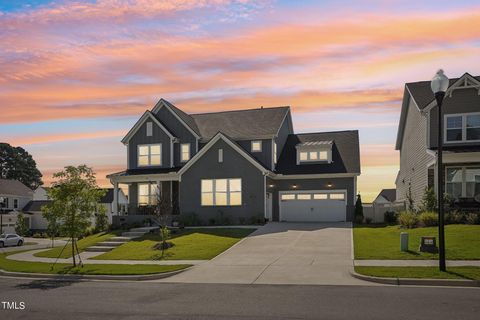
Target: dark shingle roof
point(15, 188)
point(108, 197)
point(241, 124)
point(345, 154)
point(185, 117)
point(422, 93)
point(35, 205)
point(389, 194)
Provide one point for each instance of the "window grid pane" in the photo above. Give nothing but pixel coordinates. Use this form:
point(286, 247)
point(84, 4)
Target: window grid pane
point(337, 196)
point(288, 197)
point(304, 196)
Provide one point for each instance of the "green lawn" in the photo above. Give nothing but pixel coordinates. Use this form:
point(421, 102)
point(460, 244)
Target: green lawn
point(82, 244)
point(62, 268)
point(462, 242)
point(470, 273)
point(189, 244)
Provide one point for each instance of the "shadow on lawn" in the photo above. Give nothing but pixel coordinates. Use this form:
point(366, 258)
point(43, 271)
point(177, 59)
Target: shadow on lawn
point(236, 233)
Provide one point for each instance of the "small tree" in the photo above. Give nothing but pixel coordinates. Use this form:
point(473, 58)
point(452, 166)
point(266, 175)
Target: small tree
point(429, 200)
point(410, 202)
point(359, 209)
point(74, 196)
point(21, 227)
point(101, 219)
point(163, 211)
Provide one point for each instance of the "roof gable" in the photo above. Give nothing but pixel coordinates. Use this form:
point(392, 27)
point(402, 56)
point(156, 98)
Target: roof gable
point(388, 194)
point(14, 188)
point(146, 116)
point(232, 144)
point(184, 118)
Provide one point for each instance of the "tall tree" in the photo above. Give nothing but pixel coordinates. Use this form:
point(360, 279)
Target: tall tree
point(74, 195)
point(359, 209)
point(18, 164)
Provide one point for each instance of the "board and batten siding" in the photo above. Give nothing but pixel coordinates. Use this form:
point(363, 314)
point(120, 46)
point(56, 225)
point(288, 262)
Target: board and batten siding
point(179, 130)
point(140, 138)
point(283, 133)
point(265, 156)
point(413, 156)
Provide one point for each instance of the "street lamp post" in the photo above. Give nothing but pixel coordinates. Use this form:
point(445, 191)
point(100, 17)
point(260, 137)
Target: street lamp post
point(2, 203)
point(439, 86)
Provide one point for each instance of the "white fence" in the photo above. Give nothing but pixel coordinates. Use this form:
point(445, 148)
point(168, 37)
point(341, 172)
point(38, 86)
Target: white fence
point(376, 212)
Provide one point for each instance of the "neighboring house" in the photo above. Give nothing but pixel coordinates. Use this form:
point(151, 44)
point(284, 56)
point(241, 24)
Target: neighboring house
point(417, 141)
point(244, 165)
point(385, 201)
point(14, 195)
point(107, 202)
point(40, 193)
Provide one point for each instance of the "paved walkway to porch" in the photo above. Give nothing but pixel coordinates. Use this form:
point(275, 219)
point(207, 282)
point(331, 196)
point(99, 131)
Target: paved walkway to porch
point(29, 256)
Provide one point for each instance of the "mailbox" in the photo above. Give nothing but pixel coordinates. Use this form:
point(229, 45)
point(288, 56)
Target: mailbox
point(428, 244)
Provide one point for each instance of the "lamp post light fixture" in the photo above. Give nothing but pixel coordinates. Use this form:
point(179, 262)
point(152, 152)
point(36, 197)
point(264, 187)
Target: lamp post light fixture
point(439, 86)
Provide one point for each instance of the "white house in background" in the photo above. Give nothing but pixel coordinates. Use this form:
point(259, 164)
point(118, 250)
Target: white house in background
point(107, 202)
point(40, 193)
point(386, 199)
point(14, 195)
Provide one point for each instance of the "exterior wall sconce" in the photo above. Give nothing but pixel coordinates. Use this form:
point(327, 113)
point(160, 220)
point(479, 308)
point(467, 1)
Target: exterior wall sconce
point(294, 186)
point(271, 185)
point(329, 184)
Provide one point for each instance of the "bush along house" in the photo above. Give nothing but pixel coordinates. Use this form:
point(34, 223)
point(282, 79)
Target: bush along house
point(239, 166)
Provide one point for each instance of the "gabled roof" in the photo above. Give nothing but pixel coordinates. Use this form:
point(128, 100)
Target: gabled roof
point(14, 188)
point(146, 116)
point(35, 205)
point(345, 154)
point(422, 95)
point(260, 123)
point(388, 194)
point(184, 118)
point(231, 143)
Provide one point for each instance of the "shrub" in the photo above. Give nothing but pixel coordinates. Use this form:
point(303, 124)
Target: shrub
point(429, 200)
point(428, 218)
point(358, 219)
point(472, 218)
point(368, 220)
point(390, 217)
point(21, 227)
point(241, 220)
point(407, 219)
point(101, 222)
point(455, 217)
point(359, 209)
point(211, 221)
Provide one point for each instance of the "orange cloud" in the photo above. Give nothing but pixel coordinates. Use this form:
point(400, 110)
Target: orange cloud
point(39, 139)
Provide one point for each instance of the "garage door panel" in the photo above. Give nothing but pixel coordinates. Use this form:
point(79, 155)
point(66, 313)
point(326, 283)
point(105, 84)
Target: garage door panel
point(318, 209)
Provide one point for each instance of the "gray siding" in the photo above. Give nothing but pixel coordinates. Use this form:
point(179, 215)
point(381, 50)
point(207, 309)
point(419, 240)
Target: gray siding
point(283, 133)
point(140, 137)
point(264, 157)
point(462, 101)
point(312, 184)
point(413, 156)
point(22, 201)
point(234, 166)
point(179, 130)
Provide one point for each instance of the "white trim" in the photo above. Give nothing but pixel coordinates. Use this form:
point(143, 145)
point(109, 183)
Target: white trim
point(144, 177)
point(172, 161)
point(314, 176)
point(256, 141)
point(283, 120)
point(264, 196)
point(216, 138)
point(463, 128)
point(149, 145)
point(161, 104)
point(312, 192)
point(139, 123)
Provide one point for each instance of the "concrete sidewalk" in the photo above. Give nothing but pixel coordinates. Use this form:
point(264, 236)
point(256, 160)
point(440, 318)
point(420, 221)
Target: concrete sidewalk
point(41, 243)
point(414, 263)
point(29, 256)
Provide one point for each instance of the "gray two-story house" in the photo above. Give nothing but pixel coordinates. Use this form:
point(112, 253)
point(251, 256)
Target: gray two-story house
point(244, 165)
point(417, 141)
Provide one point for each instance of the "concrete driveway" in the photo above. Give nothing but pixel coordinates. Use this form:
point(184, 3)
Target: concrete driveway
point(282, 253)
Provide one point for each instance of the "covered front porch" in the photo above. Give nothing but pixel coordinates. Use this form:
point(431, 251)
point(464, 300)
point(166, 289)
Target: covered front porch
point(461, 179)
point(145, 190)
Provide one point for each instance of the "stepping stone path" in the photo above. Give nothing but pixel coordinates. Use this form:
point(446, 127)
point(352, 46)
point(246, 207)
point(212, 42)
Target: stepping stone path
point(114, 242)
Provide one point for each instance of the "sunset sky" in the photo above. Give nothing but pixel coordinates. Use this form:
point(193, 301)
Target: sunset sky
point(75, 76)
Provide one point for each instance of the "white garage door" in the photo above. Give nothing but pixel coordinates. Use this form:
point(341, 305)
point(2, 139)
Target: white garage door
point(313, 206)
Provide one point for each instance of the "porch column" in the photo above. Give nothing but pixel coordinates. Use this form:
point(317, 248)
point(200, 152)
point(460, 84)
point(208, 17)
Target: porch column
point(115, 198)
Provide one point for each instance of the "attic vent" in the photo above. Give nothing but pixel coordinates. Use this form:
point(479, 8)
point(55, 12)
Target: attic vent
point(149, 129)
point(466, 83)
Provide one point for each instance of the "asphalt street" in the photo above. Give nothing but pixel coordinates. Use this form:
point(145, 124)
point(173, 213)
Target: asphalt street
point(47, 299)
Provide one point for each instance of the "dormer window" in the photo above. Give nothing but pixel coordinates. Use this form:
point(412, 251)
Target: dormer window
point(257, 146)
point(315, 151)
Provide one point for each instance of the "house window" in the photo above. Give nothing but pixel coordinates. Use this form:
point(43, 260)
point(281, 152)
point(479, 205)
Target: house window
point(15, 203)
point(5, 203)
point(185, 152)
point(313, 155)
point(221, 192)
point(257, 146)
point(149, 129)
point(149, 155)
point(462, 128)
point(147, 194)
point(220, 155)
point(463, 182)
point(275, 153)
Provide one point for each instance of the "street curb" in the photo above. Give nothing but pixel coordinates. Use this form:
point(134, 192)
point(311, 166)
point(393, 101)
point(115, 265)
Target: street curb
point(418, 282)
point(73, 277)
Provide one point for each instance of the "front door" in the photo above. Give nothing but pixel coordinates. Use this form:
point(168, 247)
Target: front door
point(268, 209)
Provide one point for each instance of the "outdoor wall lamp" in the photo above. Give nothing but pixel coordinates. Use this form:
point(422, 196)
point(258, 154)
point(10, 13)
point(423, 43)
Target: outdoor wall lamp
point(329, 184)
point(294, 186)
point(439, 86)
